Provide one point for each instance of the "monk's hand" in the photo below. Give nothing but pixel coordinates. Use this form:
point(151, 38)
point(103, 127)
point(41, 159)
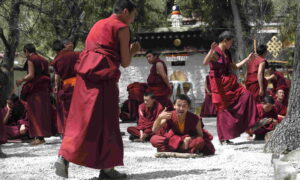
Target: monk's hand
point(270, 120)
point(141, 134)
point(23, 129)
point(135, 47)
point(274, 122)
point(186, 142)
point(261, 92)
point(19, 82)
point(213, 45)
point(165, 114)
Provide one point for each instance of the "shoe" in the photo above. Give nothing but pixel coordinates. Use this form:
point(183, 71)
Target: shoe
point(112, 174)
point(61, 167)
point(227, 142)
point(37, 141)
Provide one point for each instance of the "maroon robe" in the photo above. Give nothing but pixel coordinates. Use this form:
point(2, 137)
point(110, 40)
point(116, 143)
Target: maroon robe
point(92, 135)
point(208, 108)
point(36, 92)
point(280, 82)
point(281, 109)
point(146, 119)
point(236, 106)
point(271, 114)
point(158, 87)
point(3, 138)
point(63, 65)
point(252, 84)
point(173, 138)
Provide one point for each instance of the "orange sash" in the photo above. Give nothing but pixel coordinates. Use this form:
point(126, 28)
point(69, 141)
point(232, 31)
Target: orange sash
point(70, 81)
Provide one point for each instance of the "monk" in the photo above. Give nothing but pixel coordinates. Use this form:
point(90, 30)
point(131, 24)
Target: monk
point(92, 135)
point(235, 105)
point(266, 110)
point(65, 79)
point(281, 108)
point(184, 130)
point(208, 108)
point(148, 113)
point(158, 82)
point(256, 82)
point(15, 121)
point(279, 82)
point(36, 92)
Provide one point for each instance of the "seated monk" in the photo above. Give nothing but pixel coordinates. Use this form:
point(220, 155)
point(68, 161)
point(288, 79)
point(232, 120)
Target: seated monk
point(183, 130)
point(281, 108)
point(148, 113)
point(266, 111)
point(15, 123)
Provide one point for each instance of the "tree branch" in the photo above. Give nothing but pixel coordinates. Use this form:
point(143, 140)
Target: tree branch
point(3, 38)
point(35, 7)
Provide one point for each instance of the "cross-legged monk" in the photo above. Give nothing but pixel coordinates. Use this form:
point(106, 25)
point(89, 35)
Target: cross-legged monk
point(148, 113)
point(279, 82)
point(92, 135)
point(15, 121)
point(64, 64)
point(158, 82)
point(281, 108)
point(36, 92)
point(208, 108)
point(256, 82)
point(266, 110)
point(235, 105)
point(184, 131)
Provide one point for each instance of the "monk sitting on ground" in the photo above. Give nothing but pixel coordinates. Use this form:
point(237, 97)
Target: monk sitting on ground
point(148, 113)
point(281, 108)
point(184, 130)
point(266, 112)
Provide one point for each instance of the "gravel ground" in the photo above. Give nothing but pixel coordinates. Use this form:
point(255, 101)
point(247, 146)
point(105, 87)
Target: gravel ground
point(243, 160)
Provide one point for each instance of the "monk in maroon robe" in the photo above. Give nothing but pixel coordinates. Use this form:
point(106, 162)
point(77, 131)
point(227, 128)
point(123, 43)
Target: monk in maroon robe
point(65, 79)
point(158, 82)
point(184, 130)
point(235, 105)
point(266, 110)
point(208, 108)
point(148, 113)
point(256, 82)
point(15, 121)
point(36, 92)
point(279, 82)
point(281, 108)
point(92, 135)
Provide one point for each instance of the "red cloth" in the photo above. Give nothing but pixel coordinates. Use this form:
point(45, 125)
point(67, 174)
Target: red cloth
point(37, 94)
point(158, 87)
point(280, 82)
point(252, 84)
point(136, 91)
point(92, 135)
point(271, 114)
point(172, 139)
point(236, 106)
point(208, 109)
point(60, 118)
point(146, 119)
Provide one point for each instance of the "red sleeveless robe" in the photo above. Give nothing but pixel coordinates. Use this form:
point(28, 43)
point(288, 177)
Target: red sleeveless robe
point(92, 134)
point(208, 108)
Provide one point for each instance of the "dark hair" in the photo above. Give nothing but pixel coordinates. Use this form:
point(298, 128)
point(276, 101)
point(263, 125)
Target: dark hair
point(30, 48)
point(120, 5)
point(149, 51)
point(226, 35)
point(268, 99)
point(57, 45)
point(14, 98)
point(149, 94)
point(183, 97)
point(261, 49)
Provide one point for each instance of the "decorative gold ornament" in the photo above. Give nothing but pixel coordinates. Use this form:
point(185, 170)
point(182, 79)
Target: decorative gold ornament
point(274, 46)
point(177, 42)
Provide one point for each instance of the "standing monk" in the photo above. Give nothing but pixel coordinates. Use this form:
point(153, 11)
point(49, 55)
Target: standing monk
point(208, 109)
point(92, 135)
point(158, 82)
point(256, 82)
point(184, 130)
point(64, 68)
point(36, 92)
point(235, 105)
point(148, 112)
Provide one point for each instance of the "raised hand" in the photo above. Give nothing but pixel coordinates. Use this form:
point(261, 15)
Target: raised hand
point(135, 47)
point(165, 114)
point(213, 45)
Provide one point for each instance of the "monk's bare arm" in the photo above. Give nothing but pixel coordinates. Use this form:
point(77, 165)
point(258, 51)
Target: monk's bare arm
point(210, 54)
point(57, 80)
point(161, 71)
point(30, 74)
point(269, 78)
point(260, 76)
point(244, 61)
point(199, 129)
point(7, 115)
point(127, 52)
point(161, 120)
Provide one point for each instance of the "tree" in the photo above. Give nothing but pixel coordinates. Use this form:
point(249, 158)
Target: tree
point(286, 136)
